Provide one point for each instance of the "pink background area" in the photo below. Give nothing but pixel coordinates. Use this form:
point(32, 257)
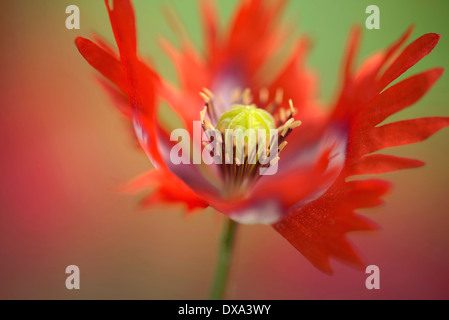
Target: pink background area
point(65, 152)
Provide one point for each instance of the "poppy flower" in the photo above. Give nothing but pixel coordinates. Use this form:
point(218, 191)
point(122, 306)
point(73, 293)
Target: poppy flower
point(309, 200)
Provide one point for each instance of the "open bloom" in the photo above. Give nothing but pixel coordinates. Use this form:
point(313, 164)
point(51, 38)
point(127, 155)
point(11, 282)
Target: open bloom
point(309, 200)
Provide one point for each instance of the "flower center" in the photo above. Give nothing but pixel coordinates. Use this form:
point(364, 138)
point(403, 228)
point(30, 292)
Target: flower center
point(245, 117)
point(250, 137)
point(251, 122)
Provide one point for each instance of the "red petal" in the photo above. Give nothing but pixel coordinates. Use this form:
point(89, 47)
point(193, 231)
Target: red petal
point(360, 88)
point(255, 20)
point(142, 81)
point(139, 84)
point(210, 22)
point(380, 163)
point(169, 189)
point(103, 44)
point(294, 73)
point(318, 229)
point(123, 23)
point(405, 132)
point(351, 52)
point(361, 194)
point(409, 57)
point(103, 61)
point(400, 96)
point(186, 106)
point(120, 99)
point(395, 47)
point(187, 64)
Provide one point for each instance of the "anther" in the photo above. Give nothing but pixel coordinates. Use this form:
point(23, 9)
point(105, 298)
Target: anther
point(240, 167)
point(247, 98)
point(295, 124)
point(274, 161)
point(264, 95)
point(282, 115)
point(204, 97)
point(236, 96)
point(292, 107)
point(208, 93)
point(279, 96)
point(282, 146)
point(286, 127)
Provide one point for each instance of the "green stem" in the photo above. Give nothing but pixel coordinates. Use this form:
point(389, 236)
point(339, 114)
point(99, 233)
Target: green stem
point(224, 260)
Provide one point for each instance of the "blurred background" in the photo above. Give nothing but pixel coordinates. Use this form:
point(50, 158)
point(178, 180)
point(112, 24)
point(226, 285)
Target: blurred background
point(65, 151)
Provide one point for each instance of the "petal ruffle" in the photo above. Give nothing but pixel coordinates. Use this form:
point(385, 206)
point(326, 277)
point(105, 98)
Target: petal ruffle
point(318, 229)
point(381, 163)
point(400, 133)
point(132, 81)
point(142, 81)
point(231, 62)
point(168, 189)
point(103, 61)
point(414, 52)
point(400, 96)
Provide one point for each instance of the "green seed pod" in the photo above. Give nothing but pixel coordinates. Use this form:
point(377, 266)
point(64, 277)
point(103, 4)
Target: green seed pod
point(248, 119)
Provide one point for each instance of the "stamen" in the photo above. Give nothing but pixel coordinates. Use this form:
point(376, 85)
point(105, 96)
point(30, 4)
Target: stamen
point(236, 96)
point(203, 114)
point(264, 95)
point(282, 146)
point(271, 108)
point(205, 97)
point(279, 96)
point(295, 124)
point(208, 98)
point(240, 169)
point(209, 93)
point(247, 98)
point(205, 122)
point(292, 107)
point(238, 162)
point(227, 158)
point(286, 127)
point(283, 115)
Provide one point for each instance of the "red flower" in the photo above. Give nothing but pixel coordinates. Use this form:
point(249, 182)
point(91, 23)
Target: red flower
point(309, 200)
